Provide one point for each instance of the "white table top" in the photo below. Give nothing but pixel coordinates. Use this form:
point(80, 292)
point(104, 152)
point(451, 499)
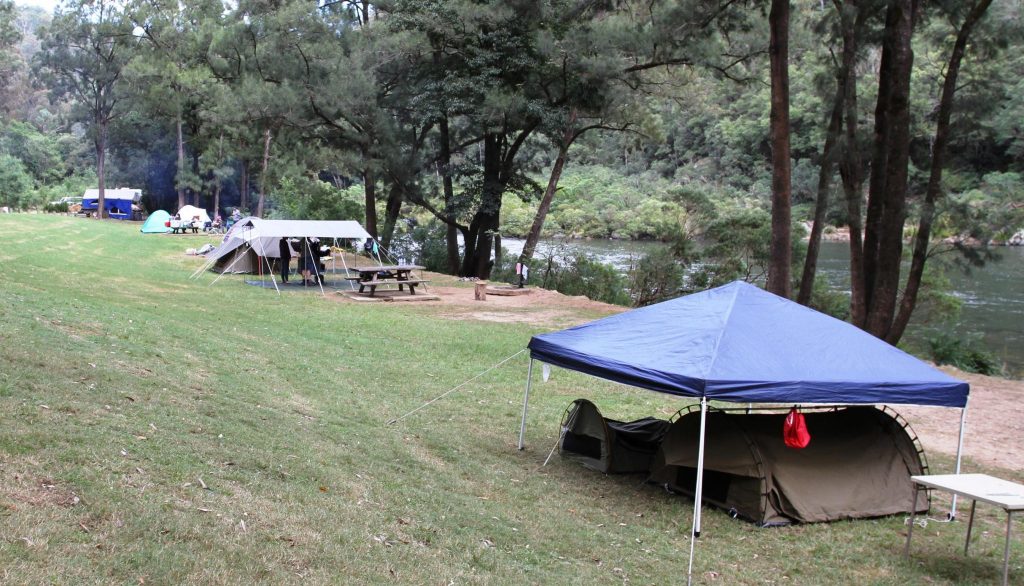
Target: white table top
point(981, 487)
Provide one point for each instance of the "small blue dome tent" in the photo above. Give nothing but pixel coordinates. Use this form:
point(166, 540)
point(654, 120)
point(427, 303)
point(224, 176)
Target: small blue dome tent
point(156, 223)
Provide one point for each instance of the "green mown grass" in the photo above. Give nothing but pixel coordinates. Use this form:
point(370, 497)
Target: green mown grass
point(154, 428)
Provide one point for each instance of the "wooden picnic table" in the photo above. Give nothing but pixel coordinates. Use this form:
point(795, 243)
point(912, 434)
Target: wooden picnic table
point(401, 275)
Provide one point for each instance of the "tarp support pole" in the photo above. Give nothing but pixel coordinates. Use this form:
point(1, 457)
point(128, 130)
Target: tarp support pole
point(316, 267)
point(230, 266)
point(270, 269)
point(699, 490)
point(526, 400)
point(959, 452)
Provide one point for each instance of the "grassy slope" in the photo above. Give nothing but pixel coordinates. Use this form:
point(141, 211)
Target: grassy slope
point(279, 405)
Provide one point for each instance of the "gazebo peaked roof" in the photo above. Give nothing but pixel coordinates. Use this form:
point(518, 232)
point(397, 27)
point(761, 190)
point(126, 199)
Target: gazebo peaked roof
point(740, 343)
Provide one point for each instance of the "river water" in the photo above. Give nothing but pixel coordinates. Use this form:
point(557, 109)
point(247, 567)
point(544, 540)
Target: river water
point(992, 296)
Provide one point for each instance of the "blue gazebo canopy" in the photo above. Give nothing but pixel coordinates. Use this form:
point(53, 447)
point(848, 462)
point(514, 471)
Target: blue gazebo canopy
point(742, 344)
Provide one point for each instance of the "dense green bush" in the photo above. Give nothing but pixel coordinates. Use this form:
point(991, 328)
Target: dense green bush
point(570, 275)
point(655, 277)
point(965, 353)
point(312, 199)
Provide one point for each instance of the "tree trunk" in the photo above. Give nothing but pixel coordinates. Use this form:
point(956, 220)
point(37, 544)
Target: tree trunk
point(392, 211)
point(835, 123)
point(879, 160)
point(216, 177)
point(487, 216)
point(850, 167)
point(934, 190)
point(263, 174)
point(882, 303)
point(196, 193)
point(781, 238)
point(243, 196)
point(370, 200)
point(469, 254)
point(533, 237)
point(101, 167)
point(451, 235)
point(181, 166)
point(216, 197)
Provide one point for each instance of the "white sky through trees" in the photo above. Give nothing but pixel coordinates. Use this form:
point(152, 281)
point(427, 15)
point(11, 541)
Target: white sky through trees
point(47, 5)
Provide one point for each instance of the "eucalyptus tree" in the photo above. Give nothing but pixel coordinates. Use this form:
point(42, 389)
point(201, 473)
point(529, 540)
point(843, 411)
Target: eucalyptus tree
point(170, 77)
point(10, 61)
point(358, 84)
point(84, 52)
point(968, 16)
point(253, 54)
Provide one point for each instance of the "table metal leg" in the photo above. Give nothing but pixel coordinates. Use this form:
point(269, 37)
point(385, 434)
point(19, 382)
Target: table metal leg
point(970, 525)
point(913, 514)
point(1006, 548)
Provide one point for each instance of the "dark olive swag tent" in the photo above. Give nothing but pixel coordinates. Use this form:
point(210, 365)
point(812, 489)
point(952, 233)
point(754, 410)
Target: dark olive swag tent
point(740, 344)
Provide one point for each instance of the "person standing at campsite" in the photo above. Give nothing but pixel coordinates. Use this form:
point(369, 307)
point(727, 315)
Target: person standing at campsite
point(286, 258)
point(310, 260)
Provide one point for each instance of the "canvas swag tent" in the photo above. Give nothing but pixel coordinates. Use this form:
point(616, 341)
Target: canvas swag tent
point(738, 343)
point(608, 445)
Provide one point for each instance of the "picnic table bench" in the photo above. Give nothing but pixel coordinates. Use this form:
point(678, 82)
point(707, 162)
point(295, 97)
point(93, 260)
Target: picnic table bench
point(182, 225)
point(375, 276)
point(412, 283)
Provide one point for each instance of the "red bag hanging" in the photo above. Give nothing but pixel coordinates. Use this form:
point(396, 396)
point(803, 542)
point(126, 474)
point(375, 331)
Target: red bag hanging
point(794, 430)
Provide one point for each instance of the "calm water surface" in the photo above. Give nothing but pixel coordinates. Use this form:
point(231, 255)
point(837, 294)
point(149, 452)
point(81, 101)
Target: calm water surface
point(992, 296)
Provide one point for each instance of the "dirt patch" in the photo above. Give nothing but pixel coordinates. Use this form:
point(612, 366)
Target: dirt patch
point(21, 488)
point(994, 433)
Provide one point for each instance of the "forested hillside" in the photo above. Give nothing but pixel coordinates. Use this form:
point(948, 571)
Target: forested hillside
point(464, 121)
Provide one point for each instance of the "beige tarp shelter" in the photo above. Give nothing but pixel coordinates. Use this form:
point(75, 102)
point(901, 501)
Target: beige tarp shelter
point(252, 243)
point(858, 465)
point(608, 445)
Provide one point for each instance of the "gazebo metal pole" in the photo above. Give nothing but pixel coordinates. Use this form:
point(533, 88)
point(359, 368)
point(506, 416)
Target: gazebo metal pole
point(959, 452)
point(699, 490)
point(526, 400)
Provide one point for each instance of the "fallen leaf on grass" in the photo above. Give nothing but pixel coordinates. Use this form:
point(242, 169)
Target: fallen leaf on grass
point(84, 528)
point(323, 489)
point(202, 484)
